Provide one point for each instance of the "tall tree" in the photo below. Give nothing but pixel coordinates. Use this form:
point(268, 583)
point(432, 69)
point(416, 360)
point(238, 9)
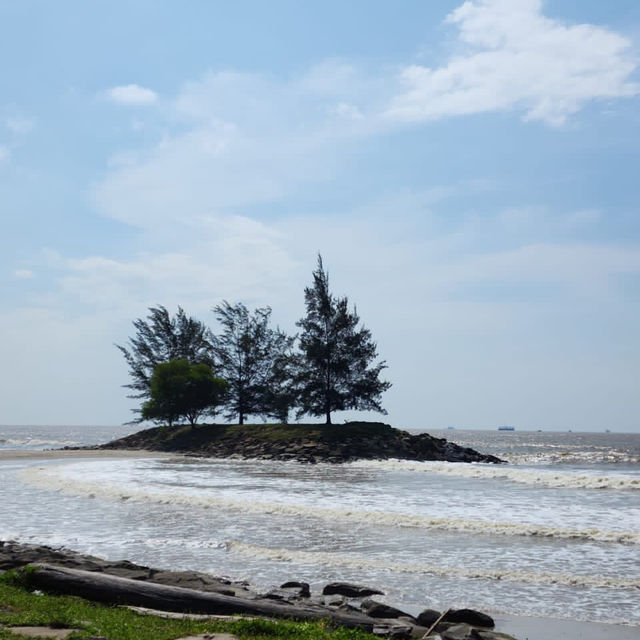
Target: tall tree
point(251, 356)
point(160, 338)
point(336, 369)
point(179, 389)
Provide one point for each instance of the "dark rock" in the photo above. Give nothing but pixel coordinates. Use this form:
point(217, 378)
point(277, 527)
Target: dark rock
point(356, 441)
point(381, 610)
point(333, 600)
point(460, 632)
point(428, 617)
point(14, 554)
point(349, 590)
point(393, 630)
point(470, 616)
point(303, 590)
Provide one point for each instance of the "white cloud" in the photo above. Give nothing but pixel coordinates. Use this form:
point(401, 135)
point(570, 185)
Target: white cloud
point(23, 274)
point(132, 95)
point(512, 57)
point(20, 125)
point(248, 140)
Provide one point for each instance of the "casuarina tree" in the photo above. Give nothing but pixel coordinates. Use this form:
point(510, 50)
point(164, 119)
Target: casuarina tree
point(336, 367)
point(253, 358)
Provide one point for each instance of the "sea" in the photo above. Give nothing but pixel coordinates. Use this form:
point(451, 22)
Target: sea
point(553, 533)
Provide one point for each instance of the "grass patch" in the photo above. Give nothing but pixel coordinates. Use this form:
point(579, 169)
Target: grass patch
point(187, 439)
point(20, 606)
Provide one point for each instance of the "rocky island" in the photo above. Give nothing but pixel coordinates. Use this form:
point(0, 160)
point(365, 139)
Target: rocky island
point(308, 443)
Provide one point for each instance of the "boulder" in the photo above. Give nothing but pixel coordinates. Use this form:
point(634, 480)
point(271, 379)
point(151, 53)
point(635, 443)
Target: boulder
point(470, 616)
point(460, 632)
point(302, 589)
point(349, 590)
point(393, 630)
point(381, 610)
point(427, 617)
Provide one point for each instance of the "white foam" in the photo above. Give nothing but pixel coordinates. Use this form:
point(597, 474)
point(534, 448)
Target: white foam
point(37, 442)
point(52, 478)
point(366, 562)
point(528, 476)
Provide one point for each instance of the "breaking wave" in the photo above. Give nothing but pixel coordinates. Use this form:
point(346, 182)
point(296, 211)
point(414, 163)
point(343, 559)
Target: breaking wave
point(534, 477)
point(35, 442)
point(47, 478)
point(366, 562)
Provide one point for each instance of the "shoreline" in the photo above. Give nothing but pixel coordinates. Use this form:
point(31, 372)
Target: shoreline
point(55, 454)
point(540, 628)
point(519, 626)
point(515, 626)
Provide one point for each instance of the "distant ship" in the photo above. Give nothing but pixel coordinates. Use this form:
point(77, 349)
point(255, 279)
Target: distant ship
point(506, 428)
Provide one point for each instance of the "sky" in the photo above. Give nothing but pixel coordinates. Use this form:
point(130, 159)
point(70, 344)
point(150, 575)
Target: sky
point(469, 172)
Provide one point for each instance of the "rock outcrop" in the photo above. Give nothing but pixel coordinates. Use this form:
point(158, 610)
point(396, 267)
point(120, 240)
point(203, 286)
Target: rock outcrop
point(341, 602)
point(304, 443)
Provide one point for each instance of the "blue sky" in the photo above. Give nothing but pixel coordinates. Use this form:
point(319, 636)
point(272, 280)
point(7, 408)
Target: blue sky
point(468, 170)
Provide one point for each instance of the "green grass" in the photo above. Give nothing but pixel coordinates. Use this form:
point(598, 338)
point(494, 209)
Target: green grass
point(185, 438)
point(20, 606)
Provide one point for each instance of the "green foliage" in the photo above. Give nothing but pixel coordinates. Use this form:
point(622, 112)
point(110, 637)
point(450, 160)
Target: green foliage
point(20, 607)
point(335, 370)
point(161, 338)
point(255, 359)
point(179, 389)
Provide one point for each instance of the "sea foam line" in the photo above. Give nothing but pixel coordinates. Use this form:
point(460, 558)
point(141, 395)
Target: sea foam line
point(49, 478)
point(366, 562)
point(533, 477)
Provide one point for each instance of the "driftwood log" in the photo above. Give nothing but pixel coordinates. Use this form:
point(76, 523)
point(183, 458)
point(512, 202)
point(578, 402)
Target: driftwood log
point(101, 587)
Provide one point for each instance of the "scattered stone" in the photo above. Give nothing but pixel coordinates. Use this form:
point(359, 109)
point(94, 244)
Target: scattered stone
point(427, 617)
point(460, 632)
point(42, 632)
point(381, 610)
point(396, 631)
point(349, 590)
point(177, 615)
point(210, 636)
point(470, 616)
point(303, 590)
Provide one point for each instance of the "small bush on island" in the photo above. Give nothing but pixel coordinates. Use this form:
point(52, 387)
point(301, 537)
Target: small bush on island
point(179, 389)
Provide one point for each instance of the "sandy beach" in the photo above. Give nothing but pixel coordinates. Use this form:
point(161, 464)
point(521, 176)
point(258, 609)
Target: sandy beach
point(56, 454)
point(525, 628)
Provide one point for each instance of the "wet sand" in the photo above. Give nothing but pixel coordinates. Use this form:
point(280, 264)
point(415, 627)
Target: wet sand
point(525, 628)
point(55, 454)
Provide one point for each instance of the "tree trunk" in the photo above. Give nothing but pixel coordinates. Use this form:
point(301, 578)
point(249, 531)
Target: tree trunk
point(110, 589)
point(328, 416)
